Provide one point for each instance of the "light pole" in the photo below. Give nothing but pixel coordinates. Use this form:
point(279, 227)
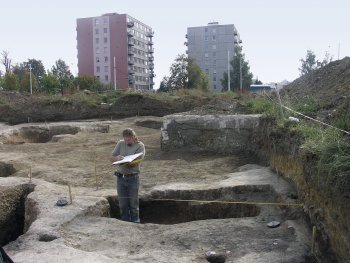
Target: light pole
point(30, 78)
point(228, 71)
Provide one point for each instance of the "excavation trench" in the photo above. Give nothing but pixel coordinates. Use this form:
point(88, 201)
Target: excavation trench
point(12, 212)
point(174, 207)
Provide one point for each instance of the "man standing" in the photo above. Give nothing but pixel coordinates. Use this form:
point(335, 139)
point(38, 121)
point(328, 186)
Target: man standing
point(128, 175)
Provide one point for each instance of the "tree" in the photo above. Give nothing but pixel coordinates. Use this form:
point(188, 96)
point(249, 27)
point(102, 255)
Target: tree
point(63, 74)
point(197, 79)
point(6, 61)
point(9, 82)
point(50, 84)
point(309, 64)
point(186, 74)
point(178, 73)
point(163, 87)
point(87, 83)
point(238, 64)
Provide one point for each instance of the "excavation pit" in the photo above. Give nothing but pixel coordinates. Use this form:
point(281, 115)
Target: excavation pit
point(12, 212)
point(169, 212)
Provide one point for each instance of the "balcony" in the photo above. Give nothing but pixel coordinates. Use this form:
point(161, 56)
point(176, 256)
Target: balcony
point(130, 52)
point(130, 24)
point(150, 34)
point(151, 66)
point(150, 43)
point(130, 43)
point(131, 81)
point(186, 36)
point(130, 62)
point(150, 50)
point(186, 44)
point(131, 72)
point(150, 58)
point(130, 33)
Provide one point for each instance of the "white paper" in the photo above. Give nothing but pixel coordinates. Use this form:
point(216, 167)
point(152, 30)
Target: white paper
point(128, 158)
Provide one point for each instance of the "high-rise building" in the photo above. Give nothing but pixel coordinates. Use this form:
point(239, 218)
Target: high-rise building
point(212, 48)
point(117, 49)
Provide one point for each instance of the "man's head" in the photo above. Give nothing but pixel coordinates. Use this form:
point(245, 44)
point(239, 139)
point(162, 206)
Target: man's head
point(129, 136)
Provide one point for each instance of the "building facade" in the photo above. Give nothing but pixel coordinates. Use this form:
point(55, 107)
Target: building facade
point(117, 49)
point(212, 48)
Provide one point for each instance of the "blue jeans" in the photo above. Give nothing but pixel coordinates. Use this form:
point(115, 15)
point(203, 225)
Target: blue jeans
point(128, 196)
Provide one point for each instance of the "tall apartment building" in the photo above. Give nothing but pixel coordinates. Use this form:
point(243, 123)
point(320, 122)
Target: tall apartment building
point(116, 49)
point(212, 47)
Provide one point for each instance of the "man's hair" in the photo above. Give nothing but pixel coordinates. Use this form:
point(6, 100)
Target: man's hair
point(130, 132)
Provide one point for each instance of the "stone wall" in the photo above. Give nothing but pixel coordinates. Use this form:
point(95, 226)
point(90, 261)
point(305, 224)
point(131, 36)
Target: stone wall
point(217, 133)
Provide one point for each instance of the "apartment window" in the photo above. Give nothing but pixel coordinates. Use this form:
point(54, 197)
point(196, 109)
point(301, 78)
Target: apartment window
point(105, 49)
point(206, 29)
point(98, 69)
point(214, 54)
point(105, 30)
point(97, 40)
point(214, 46)
point(106, 59)
point(213, 38)
point(105, 20)
point(97, 50)
point(106, 77)
point(106, 68)
point(97, 31)
point(105, 40)
point(206, 38)
point(214, 30)
point(97, 59)
point(214, 86)
point(96, 21)
point(214, 77)
point(206, 55)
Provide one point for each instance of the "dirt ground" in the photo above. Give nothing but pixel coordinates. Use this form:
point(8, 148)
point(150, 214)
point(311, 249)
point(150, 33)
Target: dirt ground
point(75, 232)
point(72, 160)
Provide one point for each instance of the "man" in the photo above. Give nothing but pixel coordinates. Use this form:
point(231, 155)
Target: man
point(128, 175)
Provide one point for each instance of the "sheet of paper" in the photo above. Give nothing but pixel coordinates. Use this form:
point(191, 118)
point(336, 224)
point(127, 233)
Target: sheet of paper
point(128, 158)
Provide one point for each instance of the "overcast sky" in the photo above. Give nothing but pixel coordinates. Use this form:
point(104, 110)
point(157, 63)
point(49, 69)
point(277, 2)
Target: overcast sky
point(276, 34)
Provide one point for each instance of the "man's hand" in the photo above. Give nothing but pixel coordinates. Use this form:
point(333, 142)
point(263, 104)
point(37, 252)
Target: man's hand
point(117, 158)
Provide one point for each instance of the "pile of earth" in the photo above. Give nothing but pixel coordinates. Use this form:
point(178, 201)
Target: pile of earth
point(328, 87)
point(20, 108)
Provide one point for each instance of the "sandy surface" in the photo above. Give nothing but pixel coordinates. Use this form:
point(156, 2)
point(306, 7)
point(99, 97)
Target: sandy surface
point(82, 232)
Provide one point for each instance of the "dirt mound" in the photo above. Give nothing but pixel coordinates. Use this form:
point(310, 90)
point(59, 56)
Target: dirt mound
point(328, 87)
point(18, 108)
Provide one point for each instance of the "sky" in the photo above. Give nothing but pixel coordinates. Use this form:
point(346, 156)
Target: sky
point(275, 34)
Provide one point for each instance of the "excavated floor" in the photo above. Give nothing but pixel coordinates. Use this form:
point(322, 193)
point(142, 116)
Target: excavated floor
point(188, 204)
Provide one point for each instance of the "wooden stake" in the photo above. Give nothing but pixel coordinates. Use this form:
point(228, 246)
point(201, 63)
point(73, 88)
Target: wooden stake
point(70, 195)
point(96, 179)
point(30, 174)
point(313, 240)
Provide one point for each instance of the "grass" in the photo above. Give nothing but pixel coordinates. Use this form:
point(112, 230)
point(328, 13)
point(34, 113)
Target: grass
point(329, 147)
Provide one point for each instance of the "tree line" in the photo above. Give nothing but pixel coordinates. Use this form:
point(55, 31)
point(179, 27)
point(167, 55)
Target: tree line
point(57, 80)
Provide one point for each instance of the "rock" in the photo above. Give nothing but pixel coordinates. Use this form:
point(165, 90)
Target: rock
point(213, 257)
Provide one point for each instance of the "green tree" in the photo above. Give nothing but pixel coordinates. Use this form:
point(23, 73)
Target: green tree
point(163, 87)
point(238, 65)
point(63, 74)
point(9, 82)
point(38, 69)
point(186, 74)
point(197, 79)
point(50, 84)
point(87, 83)
point(24, 83)
point(178, 73)
point(309, 63)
